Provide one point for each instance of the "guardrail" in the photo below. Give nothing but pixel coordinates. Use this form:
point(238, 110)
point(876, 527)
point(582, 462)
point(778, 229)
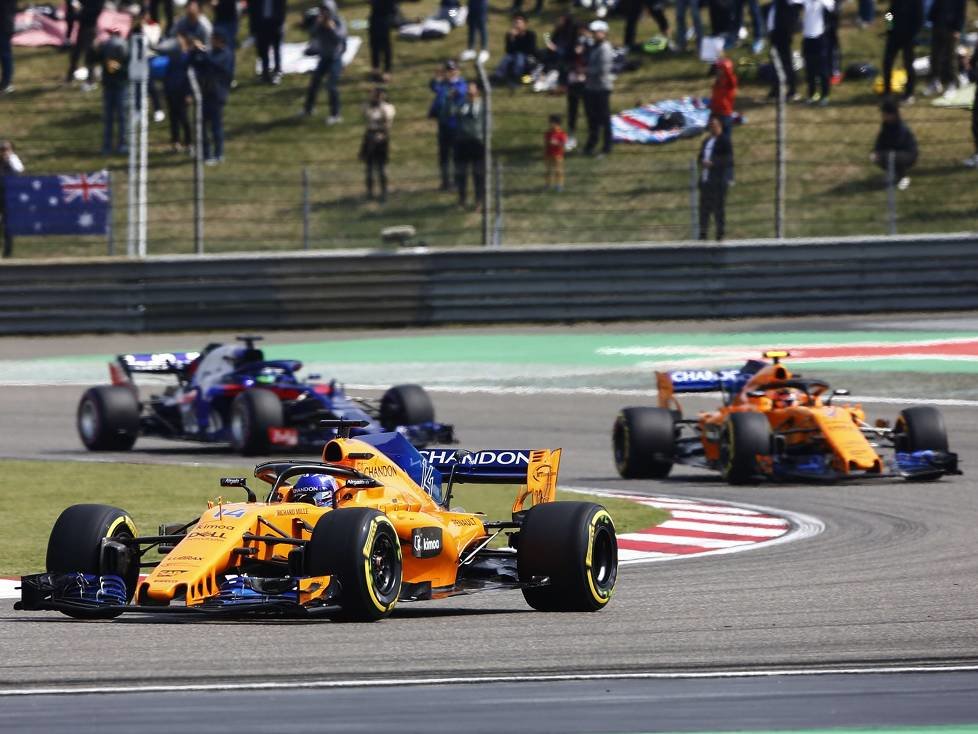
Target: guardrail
point(469, 285)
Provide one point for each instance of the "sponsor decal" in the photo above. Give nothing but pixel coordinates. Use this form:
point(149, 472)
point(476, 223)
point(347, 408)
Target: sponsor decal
point(380, 470)
point(680, 377)
point(208, 534)
point(425, 542)
point(220, 512)
point(361, 483)
point(160, 360)
point(481, 458)
point(170, 572)
point(468, 521)
point(283, 436)
point(186, 558)
point(293, 511)
point(214, 526)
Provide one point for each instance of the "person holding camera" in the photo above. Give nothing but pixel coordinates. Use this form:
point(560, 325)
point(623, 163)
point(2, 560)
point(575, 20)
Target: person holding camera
point(329, 36)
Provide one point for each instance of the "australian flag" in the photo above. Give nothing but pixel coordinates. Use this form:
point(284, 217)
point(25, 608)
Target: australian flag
point(46, 205)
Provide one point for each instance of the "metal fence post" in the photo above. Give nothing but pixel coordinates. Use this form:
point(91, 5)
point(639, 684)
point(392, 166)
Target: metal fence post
point(694, 201)
point(891, 212)
point(109, 229)
point(497, 233)
point(198, 164)
point(138, 146)
point(780, 163)
point(487, 146)
point(305, 208)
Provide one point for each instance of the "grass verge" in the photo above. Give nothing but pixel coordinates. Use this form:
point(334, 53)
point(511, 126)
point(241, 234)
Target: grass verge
point(35, 492)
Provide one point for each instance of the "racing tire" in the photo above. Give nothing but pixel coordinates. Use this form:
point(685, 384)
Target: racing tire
point(745, 436)
point(253, 412)
point(108, 418)
point(575, 545)
point(75, 545)
point(644, 442)
point(920, 428)
point(360, 547)
point(405, 405)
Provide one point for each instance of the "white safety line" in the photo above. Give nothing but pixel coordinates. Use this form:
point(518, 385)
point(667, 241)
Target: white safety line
point(483, 679)
point(652, 538)
point(719, 517)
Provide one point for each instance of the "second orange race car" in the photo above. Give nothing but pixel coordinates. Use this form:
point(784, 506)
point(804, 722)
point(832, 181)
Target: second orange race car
point(776, 424)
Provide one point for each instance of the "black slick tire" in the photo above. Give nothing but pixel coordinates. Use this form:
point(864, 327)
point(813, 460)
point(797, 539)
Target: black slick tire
point(745, 437)
point(252, 413)
point(920, 428)
point(575, 546)
point(75, 545)
point(360, 547)
point(644, 442)
point(405, 405)
point(108, 418)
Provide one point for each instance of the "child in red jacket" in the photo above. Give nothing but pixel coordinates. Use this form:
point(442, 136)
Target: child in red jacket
point(555, 142)
point(724, 91)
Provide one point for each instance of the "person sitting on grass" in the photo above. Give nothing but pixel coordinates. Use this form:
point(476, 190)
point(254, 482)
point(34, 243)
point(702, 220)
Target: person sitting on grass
point(521, 52)
point(897, 139)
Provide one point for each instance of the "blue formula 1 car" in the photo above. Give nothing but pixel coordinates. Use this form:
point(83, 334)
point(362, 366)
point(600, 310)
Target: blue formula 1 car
point(229, 393)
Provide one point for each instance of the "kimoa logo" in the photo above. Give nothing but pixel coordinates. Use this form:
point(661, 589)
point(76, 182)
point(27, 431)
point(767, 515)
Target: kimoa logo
point(422, 544)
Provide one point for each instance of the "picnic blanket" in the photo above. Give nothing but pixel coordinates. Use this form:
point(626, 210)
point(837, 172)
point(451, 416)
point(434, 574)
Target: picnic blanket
point(295, 60)
point(638, 125)
point(35, 28)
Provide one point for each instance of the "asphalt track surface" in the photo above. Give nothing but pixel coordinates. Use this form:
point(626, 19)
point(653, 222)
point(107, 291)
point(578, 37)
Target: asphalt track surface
point(892, 581)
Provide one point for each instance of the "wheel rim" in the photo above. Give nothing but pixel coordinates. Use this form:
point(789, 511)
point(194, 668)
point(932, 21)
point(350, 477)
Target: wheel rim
point(603, 558)
point(88, 421)
point(383, 565)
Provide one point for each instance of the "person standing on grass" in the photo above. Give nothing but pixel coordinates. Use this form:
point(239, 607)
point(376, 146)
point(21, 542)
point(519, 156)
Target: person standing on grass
point(82, 51)
point(814, 48)
point(113, 54)
point(897, 139)
point(576, 78)
point(382, 17)
point(632, 10)
point(154, 13)
point(554, 143)
point(904, 21)
point(214, 69)
point(10, 165)
point(329, 35)
point(375, 149)
point(450, 89)
point(470, 149)
point(266, 19)
point(227, 20)
point(946, 23)
point(477, 22)
point(782, 19)
point(597, 89)
point(8, 10)
point(194, 25)
point(693, 7)
point(176, 89)
point(716, 170)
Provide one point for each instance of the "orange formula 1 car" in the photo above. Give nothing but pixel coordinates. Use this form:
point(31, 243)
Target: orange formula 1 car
point(367, 527)
point(775, 424)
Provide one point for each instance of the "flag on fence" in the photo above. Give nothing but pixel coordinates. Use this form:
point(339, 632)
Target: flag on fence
point(69, 204)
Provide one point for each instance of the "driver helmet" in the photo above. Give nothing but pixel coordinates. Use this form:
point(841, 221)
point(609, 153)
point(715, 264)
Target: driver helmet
point(314, 489)
point(266, 377)
point(785, 399)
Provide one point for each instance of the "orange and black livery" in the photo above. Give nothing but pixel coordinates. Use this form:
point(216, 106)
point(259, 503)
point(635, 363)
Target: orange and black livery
point(777, 424)
point(369, 526)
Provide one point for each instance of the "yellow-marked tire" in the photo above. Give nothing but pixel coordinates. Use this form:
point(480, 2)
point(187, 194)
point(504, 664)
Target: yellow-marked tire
point(75, 546)
point(745, 437)
point(360, 547)
point(575, 546)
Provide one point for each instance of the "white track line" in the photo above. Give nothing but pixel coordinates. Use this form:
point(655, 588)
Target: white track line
point(476, 680)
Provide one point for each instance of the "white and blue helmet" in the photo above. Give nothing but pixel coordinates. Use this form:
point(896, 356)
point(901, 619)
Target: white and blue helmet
point(314, 489)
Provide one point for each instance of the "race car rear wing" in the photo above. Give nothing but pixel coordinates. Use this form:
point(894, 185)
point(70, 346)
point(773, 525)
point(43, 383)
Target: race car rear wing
point(161, 363)
point(728, 381)
point(535, 469)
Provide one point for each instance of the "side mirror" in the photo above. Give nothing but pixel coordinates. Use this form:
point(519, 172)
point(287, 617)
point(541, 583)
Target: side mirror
point(239, 482)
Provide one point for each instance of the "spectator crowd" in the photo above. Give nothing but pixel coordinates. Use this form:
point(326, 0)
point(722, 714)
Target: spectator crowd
point(197, 49)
